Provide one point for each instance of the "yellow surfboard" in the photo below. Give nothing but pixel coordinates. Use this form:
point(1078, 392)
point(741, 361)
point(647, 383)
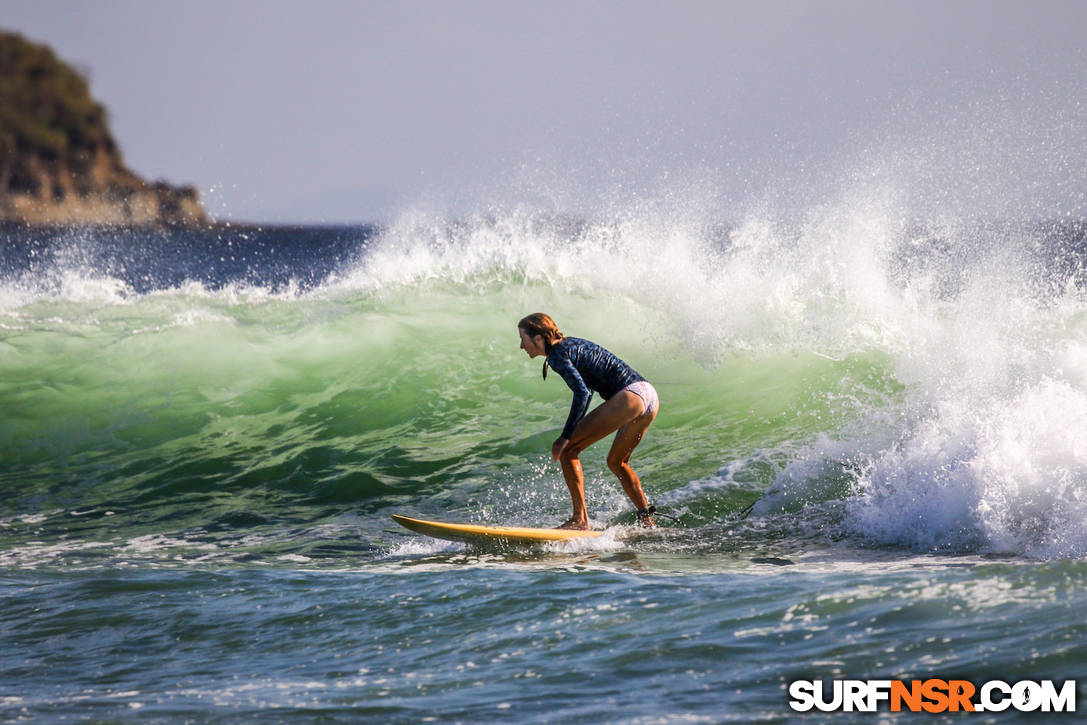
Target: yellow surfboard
point(474, 534)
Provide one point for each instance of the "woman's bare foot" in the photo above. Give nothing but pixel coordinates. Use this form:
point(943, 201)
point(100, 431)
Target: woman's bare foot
point(646, 520)
point(575, 524)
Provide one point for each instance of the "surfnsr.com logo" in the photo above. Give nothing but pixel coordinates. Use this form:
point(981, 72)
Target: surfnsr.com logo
point(932, 695)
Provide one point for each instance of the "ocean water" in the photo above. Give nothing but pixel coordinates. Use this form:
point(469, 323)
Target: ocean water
point(873, 434)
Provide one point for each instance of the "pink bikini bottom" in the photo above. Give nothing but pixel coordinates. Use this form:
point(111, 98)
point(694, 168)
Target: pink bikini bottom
point(647, 393)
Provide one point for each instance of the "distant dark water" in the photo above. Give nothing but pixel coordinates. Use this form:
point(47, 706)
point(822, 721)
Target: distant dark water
point(155, 259)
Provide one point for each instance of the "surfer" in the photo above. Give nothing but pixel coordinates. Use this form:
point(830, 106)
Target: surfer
point(629, 407)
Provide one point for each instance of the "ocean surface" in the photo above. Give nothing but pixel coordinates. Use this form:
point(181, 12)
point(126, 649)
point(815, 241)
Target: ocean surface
point(873, 436)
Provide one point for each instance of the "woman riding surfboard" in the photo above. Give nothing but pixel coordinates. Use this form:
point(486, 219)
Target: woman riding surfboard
point(629, 408)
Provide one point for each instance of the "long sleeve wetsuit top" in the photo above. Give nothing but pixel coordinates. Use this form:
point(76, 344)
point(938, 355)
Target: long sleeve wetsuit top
point(586, 367)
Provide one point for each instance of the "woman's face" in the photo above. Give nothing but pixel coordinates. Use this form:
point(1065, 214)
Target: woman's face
point(534, 346)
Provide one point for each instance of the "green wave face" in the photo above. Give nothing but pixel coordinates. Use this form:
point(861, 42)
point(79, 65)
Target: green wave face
point(184, 409)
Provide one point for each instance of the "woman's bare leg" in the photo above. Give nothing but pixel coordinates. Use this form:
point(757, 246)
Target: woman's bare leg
point(622, 408)
point(626, 440)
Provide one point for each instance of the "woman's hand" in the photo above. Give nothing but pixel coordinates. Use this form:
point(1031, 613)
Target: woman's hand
point(557, 448)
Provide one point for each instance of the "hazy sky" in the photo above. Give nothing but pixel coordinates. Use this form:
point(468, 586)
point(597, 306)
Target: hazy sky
point(348, 111)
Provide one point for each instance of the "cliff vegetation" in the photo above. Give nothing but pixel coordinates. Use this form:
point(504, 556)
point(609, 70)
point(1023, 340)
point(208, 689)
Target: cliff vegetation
point(59, 164)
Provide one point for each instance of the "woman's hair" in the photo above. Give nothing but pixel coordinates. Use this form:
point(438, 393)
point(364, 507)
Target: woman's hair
point(539, 323)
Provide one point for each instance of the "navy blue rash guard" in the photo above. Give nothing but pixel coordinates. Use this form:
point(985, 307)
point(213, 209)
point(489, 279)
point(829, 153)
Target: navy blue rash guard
point(586, 367)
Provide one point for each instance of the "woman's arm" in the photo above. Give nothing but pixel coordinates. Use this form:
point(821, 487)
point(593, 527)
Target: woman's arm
point(582, 395)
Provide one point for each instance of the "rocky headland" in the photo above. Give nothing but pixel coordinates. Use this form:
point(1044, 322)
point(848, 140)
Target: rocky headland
point(59, 164)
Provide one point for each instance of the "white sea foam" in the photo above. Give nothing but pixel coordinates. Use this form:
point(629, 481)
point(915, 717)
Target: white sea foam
point(609, 540)
point(35, 553)
point(422, 546)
